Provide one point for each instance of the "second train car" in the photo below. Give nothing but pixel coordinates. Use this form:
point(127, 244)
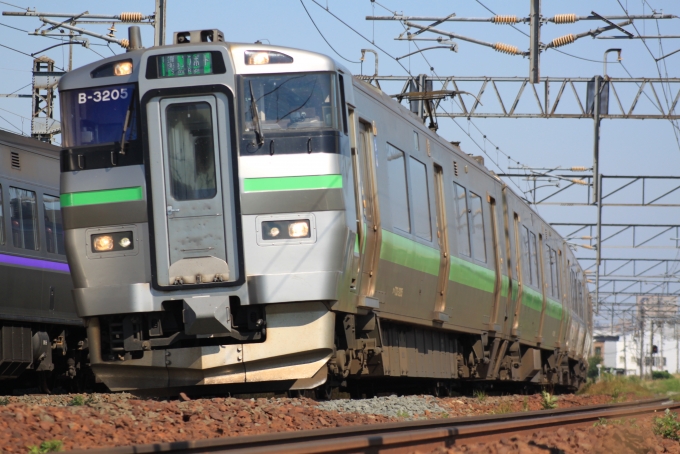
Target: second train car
point(246, 214)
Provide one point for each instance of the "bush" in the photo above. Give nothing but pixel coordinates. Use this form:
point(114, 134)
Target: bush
point(661, 375)
point(668, 426)
point(593, 361)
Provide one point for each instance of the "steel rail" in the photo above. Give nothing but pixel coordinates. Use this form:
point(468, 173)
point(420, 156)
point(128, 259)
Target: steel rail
point(400, 435)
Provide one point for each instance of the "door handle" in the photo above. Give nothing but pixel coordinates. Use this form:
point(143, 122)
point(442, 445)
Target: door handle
point(172, 210)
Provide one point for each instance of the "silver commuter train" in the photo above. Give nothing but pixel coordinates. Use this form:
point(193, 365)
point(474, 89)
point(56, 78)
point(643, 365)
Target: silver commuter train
point(242, 214)
point(41, 336)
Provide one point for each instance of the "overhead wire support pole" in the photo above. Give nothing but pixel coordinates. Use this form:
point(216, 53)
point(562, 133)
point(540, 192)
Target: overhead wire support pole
point(159, 24)
point(535, 38)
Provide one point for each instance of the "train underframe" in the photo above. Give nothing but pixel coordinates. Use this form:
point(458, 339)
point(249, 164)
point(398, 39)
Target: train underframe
point(304, 346)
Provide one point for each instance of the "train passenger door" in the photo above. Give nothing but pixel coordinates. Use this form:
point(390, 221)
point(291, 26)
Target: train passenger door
point(493, 321)
point(370, 233)
point(195, 232)
point(519, 267)
point(443, 240)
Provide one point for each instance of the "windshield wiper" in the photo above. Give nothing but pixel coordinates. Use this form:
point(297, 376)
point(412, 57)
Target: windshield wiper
point(256, 116)
point(126, 124)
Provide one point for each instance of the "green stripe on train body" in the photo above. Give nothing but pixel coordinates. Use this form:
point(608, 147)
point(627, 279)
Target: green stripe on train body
point(104, 196)
point(292, 183)
point(472, 275)
point(406, 252)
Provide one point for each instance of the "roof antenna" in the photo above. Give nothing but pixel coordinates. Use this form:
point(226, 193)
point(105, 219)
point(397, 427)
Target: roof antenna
point(135, 37)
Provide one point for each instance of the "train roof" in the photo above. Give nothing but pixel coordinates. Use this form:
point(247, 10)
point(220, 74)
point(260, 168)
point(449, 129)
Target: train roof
point(10, 139)
point(303, 60)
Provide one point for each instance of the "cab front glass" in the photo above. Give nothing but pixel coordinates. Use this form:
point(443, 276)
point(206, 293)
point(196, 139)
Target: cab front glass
point(96, 116)
point(289, 102)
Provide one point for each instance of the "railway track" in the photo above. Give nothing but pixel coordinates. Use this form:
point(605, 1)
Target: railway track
point(406, 436)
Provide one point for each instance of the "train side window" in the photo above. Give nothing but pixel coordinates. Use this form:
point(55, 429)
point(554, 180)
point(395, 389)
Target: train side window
point(558, 258)
point(190, 151)
point(554, 273)
point(551, 256)
point(54, 230)
point(416, 141)
point(535, 276)
point(24, 216)
point(421, 200)
point(526, 253)
point(396, 169)
point(462, 226)
point(2, 219)
point(478, 237)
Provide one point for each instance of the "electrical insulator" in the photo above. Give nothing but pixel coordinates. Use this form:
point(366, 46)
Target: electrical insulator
point(506, 48)
point(563, 40)
point(125, 43)
point(579, 169)
point(577, 181)
point(504, 19)
point(569, 18)
point(131, 17)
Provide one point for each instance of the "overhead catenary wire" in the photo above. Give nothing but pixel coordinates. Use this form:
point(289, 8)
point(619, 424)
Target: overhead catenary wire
point(658, 70)
point(324, 38)
point(485, 137)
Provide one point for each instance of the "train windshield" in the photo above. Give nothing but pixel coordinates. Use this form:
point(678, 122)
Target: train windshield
point(290, 101)
point(101, 115)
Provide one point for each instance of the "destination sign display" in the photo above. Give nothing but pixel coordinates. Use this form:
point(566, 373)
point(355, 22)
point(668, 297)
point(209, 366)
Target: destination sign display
point(181, 65)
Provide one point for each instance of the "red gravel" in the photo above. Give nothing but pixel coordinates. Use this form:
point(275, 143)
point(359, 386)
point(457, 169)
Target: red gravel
point(147, 421)
point(106, 420)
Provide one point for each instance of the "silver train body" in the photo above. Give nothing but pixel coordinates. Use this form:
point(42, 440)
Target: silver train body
point(254, 215)
point(41, 336)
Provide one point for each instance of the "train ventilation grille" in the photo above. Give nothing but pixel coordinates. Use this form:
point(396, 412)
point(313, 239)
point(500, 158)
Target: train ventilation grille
point(455, 168)
point(16, 163)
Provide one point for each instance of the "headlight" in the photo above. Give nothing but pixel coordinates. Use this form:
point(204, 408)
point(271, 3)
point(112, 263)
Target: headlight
point(112, 242)
point(285, 229)
point(122, 68)
point(103, 243)
point(266, 57)
point(298, 229)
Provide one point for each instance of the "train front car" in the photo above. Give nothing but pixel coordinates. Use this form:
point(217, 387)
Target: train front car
point(177, 244)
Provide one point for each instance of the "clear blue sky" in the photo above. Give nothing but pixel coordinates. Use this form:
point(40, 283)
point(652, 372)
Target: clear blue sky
point(627, 146)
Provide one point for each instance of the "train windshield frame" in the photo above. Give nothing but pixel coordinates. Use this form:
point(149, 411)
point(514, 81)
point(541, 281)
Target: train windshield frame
point(290, 102)
point(99, 115)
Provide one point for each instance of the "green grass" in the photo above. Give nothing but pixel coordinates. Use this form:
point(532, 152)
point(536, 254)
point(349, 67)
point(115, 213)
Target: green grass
point(548, 401)
point(617, 387)
point(480, 395)
point(46, 446)
point(77, 401)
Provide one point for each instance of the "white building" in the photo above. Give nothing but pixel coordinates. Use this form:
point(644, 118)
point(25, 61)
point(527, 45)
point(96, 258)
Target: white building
point(622, 353)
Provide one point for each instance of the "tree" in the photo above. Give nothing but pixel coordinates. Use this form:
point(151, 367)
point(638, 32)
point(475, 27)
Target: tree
point(593, 361)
